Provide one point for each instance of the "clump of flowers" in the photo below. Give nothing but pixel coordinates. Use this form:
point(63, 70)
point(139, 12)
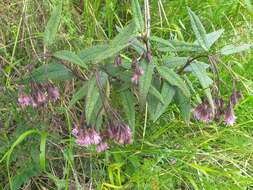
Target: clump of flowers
point(203, 112)
point(40, 95)
point(138, 71)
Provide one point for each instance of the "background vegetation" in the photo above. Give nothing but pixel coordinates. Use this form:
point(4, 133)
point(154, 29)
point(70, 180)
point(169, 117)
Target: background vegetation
point(166, 154)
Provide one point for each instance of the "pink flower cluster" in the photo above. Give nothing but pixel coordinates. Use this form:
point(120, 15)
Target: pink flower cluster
point(138, 72)
point(40, 94)
point(203, 111)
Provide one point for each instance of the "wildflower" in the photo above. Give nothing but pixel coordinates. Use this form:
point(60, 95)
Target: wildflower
point(121, 133)
point(138, 71)
point(203, 112)
point(235, 97)
point(230, 118)
point(135, 79)
point(75, 130)
point(101, 147)
point(94, 136)
point(53, 92)
point(117, 61)
point(24, 100)
point(87, 137)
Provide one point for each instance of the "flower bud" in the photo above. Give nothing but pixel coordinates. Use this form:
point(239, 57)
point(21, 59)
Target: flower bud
point(229, 118)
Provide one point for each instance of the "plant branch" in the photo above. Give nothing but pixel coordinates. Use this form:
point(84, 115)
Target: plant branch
point(189, 61)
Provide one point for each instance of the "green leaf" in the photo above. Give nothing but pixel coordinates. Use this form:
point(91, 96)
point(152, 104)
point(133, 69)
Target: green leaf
point(175, 62)
point(51, 71)
point(92, 98)
point(153, 91)
point(52, 25)
point(184, 105)
point(43, 151)
point(200, 72)
point(100, 52)
point(128, 103)
point(79, 95)
point(145, 80)
point(231, 49)
point(212, 37)
point(71, 57)
point(137, 15)
point(167, 93)
point(198, 29)
point(174, 79)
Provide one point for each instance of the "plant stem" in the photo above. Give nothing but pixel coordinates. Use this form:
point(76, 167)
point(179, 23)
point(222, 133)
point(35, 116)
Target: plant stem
point(147, 17)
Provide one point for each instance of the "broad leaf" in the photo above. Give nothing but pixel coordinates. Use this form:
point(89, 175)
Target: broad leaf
point(153, 91)
point(200, 72)
point(71, 57)
point(212, 37)
point(79, 94)
point(167, 93)
point(145, 80)
point(174, 79)
point(184, 105)
point(128, 103)
point(137, 15)
point(198, 29)
point(231, 49)
point(51, 71)
point(52, 25)
point(175, 62)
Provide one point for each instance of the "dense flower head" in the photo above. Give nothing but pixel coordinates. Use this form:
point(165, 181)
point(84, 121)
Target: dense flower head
point(101, 147)
point(203, 112)
point(229, 118)
point(53, 92)
point(86, 137)
point(24, 100)
point(121, 133)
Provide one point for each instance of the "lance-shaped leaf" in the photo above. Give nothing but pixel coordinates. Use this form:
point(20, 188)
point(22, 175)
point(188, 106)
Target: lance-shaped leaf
point(200, 72)
point(128, 103)
point(92, 98)
point(198, 29)
point(52, 26)
point(184, 105)
point(212, 37)
point(71, 57)
point(101, 52)
point(167, 93)
point(231, 49)
point(137, 15)
point(174, 79)
point(51, 71)
point(153, 91)
point(145, 80)
point(175, 62)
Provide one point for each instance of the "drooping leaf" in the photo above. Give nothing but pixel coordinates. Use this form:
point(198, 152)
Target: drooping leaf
point(51, 71)
point(128, 103)
point(71, 57)
point(198, 29)
point(200, 72)
point(52, 26)
point(91, 99)
point(79, 94)
point(231, 49)
point(145, 80)
point(101, 52)
point(174, 79)
point(153, 91)
point(137, 15)
point(167, 93)
point(184, 105)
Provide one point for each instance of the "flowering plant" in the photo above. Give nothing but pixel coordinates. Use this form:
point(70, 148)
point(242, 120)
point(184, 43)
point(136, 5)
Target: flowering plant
point(135, 71)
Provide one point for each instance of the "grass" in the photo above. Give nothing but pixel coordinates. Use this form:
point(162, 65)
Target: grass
point(169, 154)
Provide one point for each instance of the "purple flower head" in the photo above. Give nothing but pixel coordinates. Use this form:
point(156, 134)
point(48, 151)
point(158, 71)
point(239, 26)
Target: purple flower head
point(24, 100)
point(53, 92)
point(203, 112)
point(117, 61)
point(83, 140)
point(229, 118)
point(101, 147)
point(40, 97)
point(87, 137)
point(235, 97)
point(120, 133)
point(94, 136)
